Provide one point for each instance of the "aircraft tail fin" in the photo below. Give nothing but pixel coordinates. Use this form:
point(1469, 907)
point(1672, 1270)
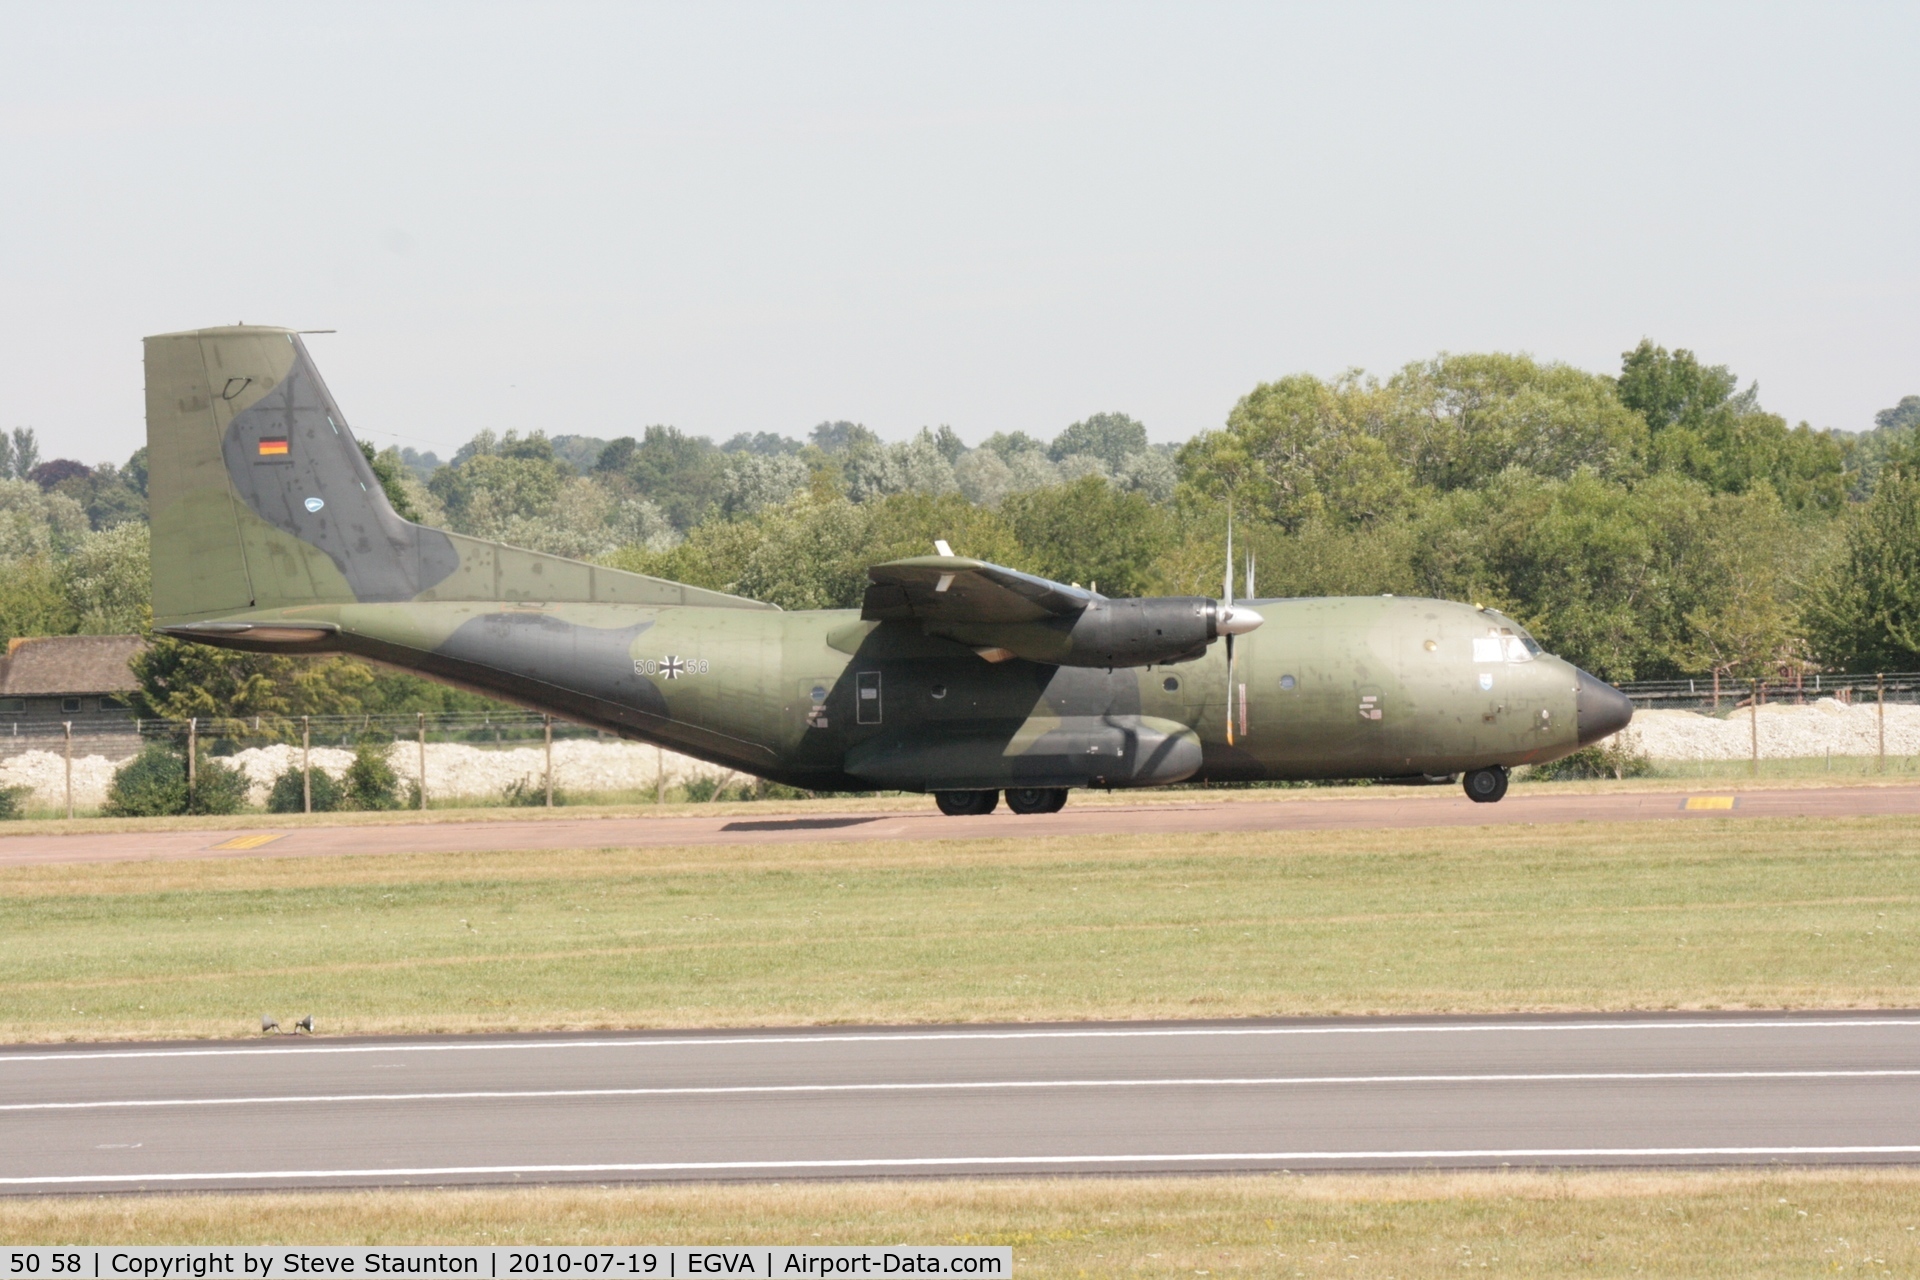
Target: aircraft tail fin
point(262, 500)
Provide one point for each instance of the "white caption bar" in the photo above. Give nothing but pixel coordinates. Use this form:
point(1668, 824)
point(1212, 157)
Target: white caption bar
point(625, 1262)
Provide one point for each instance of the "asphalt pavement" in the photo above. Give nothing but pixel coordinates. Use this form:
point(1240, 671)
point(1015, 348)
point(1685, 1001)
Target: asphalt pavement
point(1442, 807)
point(1660, 1090)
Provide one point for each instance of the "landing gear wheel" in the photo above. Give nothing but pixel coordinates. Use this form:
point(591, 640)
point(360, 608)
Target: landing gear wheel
point(1036, 799)
point(1484, 786)
point(966, 804)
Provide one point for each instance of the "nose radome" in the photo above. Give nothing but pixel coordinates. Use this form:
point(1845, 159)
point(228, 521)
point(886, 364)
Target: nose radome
point(1600, 710)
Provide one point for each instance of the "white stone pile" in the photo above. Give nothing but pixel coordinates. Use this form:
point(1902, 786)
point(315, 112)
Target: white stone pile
point(44, 773)
point(454, 769)
point(1786, 731)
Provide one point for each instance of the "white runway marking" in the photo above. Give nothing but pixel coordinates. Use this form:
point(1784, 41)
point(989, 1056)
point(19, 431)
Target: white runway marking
point(1774, 1024)
point(1279, 1158)
point(1542, 1077)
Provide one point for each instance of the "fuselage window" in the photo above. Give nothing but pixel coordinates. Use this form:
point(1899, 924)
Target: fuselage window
point(1171, 684)
point(1286, 682)
point(867, 700)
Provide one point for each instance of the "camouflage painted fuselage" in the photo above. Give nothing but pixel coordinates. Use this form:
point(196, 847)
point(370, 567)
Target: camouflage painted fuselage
point(271, 533)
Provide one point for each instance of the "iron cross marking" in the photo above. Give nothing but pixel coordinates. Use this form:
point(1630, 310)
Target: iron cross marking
point(672, 667)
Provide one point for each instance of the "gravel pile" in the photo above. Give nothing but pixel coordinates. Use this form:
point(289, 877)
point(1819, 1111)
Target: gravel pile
point(46, 773)
point(1786, 731)
point(453, 769)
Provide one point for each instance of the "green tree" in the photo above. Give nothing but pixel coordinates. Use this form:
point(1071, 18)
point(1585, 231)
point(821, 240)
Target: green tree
point(907, 525)
point(230, 690)
point(1087, 532)
point(683, 475)
point(1458, 421)
point(485, 490)
point(1700, 428)
point(1864, 613)
point(1110, 437)
point(1300, 450)
point(108, 580)
point(32, 599)
point(392, 474)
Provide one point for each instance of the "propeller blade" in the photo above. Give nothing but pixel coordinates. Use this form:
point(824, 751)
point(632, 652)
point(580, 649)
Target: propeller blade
point(1226, 587)
point(1229, 688)
point(1226, 615)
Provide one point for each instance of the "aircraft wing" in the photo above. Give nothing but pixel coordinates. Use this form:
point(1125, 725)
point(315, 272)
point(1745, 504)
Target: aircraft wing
point(956, 590)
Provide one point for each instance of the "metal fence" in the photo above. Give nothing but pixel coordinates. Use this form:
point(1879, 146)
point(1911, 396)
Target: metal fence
point(1722, 692)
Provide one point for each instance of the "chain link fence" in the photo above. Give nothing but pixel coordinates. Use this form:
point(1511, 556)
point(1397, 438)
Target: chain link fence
point(1797, 724)
point(460, 759)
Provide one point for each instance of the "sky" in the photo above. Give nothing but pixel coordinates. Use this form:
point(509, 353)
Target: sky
point(585, 218)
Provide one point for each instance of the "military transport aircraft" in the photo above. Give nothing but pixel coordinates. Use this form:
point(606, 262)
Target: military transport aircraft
point(958, 677)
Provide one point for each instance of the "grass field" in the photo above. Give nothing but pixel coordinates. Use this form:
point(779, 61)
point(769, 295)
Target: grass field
point(1733, 1224)
point(1714, 913)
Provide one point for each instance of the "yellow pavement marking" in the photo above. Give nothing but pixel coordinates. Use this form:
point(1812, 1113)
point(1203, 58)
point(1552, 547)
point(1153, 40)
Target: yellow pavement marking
point(250, 842)
point(1708, 802)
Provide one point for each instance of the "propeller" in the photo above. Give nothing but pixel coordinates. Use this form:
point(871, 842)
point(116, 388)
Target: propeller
point(1234, 622)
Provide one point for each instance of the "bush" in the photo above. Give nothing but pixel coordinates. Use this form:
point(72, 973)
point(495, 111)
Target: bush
point(218, 788)
point(528, 792)
point(152, 784)
point(10, 806)
point(371, 781)
point(1614, 758)
point(287, 796)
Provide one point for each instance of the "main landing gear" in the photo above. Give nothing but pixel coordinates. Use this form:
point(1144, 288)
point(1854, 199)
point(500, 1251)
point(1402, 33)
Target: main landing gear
point(968, 804)
point(1484, 786)
point(1036, 799)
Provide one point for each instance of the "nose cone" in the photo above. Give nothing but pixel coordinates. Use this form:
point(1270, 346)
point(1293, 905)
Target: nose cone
point(1235, 620)
point(1601, 709)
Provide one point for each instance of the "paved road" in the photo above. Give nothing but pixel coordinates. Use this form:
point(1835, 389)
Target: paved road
point(1443, 808)
point(1321, 1094)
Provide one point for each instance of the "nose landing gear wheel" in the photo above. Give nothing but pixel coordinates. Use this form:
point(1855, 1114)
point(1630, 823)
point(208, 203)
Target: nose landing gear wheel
point(1036, 799)
point(1484, 786)
point(966, 804)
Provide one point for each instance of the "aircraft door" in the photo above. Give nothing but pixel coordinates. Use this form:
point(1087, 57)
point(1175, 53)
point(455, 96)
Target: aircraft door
point(866, 700)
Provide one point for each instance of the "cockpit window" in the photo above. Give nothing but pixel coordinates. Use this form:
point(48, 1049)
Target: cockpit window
point(1504, 644)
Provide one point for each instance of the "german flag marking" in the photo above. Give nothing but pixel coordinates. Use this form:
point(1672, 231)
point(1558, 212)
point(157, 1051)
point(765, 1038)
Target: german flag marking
point(273, 447)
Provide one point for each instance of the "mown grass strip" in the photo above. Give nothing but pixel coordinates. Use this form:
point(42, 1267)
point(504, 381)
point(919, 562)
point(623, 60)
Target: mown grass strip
point(1718, 913)
point(1706, 1224)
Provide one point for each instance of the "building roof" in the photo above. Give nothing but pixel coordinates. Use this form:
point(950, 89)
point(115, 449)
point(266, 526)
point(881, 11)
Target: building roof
point(43, 666)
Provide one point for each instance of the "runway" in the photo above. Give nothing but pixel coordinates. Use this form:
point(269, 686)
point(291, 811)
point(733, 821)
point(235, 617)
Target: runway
point(1667, 1090)
point(1349, 811)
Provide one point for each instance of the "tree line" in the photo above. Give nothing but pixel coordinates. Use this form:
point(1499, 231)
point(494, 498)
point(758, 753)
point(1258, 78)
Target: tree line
point(1648, 523)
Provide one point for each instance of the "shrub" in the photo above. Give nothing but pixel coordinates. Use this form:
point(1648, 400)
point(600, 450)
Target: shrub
point(371, 781)
point(528, 792)
point(10, 806)
point(217, 788)
point(287, 796)
point(152, 784)
point(1614, 758)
